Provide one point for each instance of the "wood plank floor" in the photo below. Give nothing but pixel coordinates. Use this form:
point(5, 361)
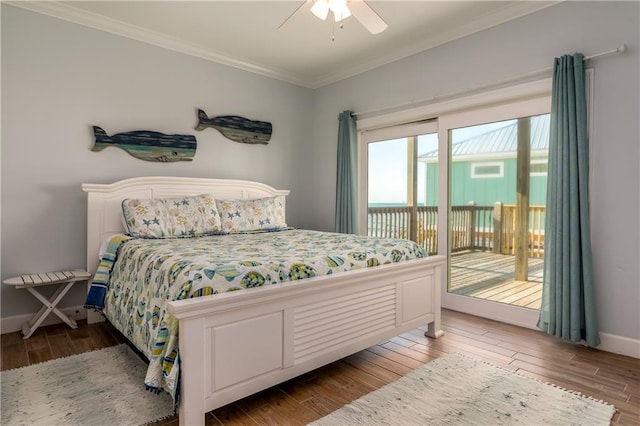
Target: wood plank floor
point(490, 276)
point(601, 375)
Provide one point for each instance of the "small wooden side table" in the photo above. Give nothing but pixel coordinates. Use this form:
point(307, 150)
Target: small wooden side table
point(66, 280)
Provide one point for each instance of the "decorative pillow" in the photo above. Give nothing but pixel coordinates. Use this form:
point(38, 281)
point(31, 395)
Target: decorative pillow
point(171, 217)
point(252, 215)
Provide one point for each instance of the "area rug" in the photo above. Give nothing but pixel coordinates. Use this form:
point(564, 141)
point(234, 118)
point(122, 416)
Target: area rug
point(104, 387)
point(458, 390)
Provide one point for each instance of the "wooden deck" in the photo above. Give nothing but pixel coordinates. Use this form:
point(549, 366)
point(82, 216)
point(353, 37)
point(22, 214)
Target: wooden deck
point(490, 276)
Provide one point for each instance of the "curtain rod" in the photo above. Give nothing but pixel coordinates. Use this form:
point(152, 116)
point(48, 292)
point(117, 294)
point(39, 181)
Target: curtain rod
point(622, 48)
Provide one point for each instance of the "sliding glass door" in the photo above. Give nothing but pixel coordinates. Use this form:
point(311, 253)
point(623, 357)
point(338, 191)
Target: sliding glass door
point(496, 163)
point(469, 185)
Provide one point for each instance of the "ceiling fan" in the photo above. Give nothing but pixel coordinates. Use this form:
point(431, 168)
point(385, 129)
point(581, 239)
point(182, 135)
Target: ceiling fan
point(343, 9)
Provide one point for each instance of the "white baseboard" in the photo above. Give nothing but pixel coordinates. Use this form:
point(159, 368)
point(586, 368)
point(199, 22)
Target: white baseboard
point(619, 345)
point(11, 324)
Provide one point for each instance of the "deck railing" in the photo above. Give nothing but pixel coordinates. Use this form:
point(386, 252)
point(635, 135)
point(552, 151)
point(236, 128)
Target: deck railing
point(483, 228)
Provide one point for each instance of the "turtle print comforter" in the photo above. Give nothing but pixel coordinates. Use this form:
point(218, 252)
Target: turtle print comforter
point(148, 272)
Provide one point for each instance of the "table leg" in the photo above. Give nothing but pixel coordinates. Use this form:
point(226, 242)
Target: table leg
point(48, 306)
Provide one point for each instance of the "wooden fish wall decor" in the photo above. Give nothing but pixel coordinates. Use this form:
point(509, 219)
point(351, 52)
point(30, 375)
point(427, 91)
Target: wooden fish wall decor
point(238, 129)
point(147, 145)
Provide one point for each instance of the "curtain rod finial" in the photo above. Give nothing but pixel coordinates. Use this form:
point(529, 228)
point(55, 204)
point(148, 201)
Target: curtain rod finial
point(623, 48)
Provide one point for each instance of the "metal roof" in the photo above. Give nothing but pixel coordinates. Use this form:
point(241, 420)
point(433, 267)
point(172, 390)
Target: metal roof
point(500, 141)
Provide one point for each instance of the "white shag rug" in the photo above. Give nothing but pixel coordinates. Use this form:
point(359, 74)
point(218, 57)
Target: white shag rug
point(457, 390)
point(103, 387)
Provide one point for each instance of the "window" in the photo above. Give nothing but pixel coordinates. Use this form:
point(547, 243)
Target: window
point(487, 170)
point(539, 167)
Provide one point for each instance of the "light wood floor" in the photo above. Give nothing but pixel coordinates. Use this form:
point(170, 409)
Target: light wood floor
point(490, 276)
point(601, 375)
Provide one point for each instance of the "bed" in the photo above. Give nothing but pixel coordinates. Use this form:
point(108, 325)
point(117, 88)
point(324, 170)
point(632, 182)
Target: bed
point(236, 343)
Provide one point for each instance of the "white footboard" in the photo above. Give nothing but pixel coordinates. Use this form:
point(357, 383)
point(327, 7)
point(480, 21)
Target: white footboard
point(235, 344)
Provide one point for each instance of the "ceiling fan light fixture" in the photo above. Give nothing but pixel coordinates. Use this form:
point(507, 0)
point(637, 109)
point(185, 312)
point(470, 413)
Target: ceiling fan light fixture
point(321, 9)
point(339, 9)
point(368, 17)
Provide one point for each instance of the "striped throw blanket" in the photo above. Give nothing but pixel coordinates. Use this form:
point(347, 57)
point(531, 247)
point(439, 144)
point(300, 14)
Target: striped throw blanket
point(100, 283)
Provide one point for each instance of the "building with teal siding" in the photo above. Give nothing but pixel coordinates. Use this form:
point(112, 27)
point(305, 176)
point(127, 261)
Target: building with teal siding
point(483, 168)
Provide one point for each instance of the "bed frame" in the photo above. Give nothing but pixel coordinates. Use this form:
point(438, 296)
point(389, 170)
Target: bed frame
point(235, 344)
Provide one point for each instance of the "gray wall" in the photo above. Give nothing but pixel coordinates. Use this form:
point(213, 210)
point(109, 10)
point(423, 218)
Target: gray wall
point(527, 44)
point(59, 78)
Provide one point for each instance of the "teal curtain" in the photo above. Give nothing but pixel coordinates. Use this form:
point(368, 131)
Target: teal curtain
point(568, 304)
point(346, 191)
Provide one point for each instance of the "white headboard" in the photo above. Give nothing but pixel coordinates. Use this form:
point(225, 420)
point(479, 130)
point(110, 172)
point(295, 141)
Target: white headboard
point(105, 201)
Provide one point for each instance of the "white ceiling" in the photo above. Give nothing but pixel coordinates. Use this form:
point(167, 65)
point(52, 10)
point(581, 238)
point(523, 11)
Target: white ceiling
point(245, 34)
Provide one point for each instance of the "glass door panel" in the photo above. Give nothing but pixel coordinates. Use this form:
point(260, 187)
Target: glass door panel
point(497, 206)
point(388, 189)
point(402, 189)
point(427, 211)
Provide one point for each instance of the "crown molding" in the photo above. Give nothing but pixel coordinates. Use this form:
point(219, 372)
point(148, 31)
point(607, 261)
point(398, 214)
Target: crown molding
point(96, 21)
point(99, 22)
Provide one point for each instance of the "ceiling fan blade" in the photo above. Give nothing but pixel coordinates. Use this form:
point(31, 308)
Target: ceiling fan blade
point(368, 17)
point(292, 13)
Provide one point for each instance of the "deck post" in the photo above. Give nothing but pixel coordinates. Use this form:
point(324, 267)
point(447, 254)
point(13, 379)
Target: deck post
point(497, 227)
point(472, 225)
point(412, 186)
point(522, 200)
